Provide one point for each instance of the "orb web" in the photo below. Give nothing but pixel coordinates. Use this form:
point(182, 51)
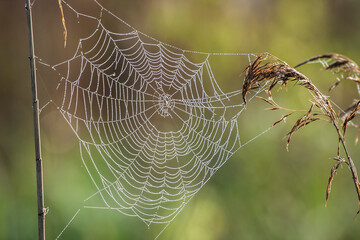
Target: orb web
point(153, 124)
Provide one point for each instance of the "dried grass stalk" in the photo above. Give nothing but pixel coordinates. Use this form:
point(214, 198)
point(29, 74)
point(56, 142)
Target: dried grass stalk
point(267, 71)
point(63, 21)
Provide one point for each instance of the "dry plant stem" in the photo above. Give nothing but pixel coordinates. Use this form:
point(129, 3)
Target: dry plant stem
point(353, 171)
point(39, 166)
point(326, 106)
point(341, 64)
point(63, 21)
point(268, 71)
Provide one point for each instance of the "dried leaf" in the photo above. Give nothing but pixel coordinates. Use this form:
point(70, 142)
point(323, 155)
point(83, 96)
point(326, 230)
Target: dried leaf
point(297, 126)
point(331, 178)
point(265, 100)
point(281, 119)
point(350, 108)
point(337, 63)
point(350, 117)
point(334, 85)
point(302, 122)
point(329, 55)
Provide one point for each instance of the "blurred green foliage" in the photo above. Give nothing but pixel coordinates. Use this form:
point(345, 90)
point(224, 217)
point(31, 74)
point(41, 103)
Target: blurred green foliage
point(262, 192)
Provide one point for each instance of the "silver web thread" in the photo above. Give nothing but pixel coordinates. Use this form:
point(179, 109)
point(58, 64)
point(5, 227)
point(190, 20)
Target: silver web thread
point(119, 89)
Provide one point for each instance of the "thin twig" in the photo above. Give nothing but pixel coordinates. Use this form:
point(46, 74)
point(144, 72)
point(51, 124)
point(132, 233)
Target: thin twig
point(35, 105)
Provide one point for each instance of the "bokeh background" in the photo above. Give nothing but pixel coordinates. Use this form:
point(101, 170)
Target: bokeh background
point(262, 192)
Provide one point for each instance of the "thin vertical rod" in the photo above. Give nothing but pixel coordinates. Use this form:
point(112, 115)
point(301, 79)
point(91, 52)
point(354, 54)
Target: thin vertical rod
point(35, 106)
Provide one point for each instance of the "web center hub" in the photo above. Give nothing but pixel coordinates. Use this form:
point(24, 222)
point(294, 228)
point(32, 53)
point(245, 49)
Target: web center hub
point(166, 104)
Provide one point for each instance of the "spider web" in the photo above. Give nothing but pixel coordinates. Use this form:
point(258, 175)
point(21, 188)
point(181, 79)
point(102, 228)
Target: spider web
point(153, 124)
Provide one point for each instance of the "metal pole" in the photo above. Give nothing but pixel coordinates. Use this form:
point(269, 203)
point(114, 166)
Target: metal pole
point(35, 106)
